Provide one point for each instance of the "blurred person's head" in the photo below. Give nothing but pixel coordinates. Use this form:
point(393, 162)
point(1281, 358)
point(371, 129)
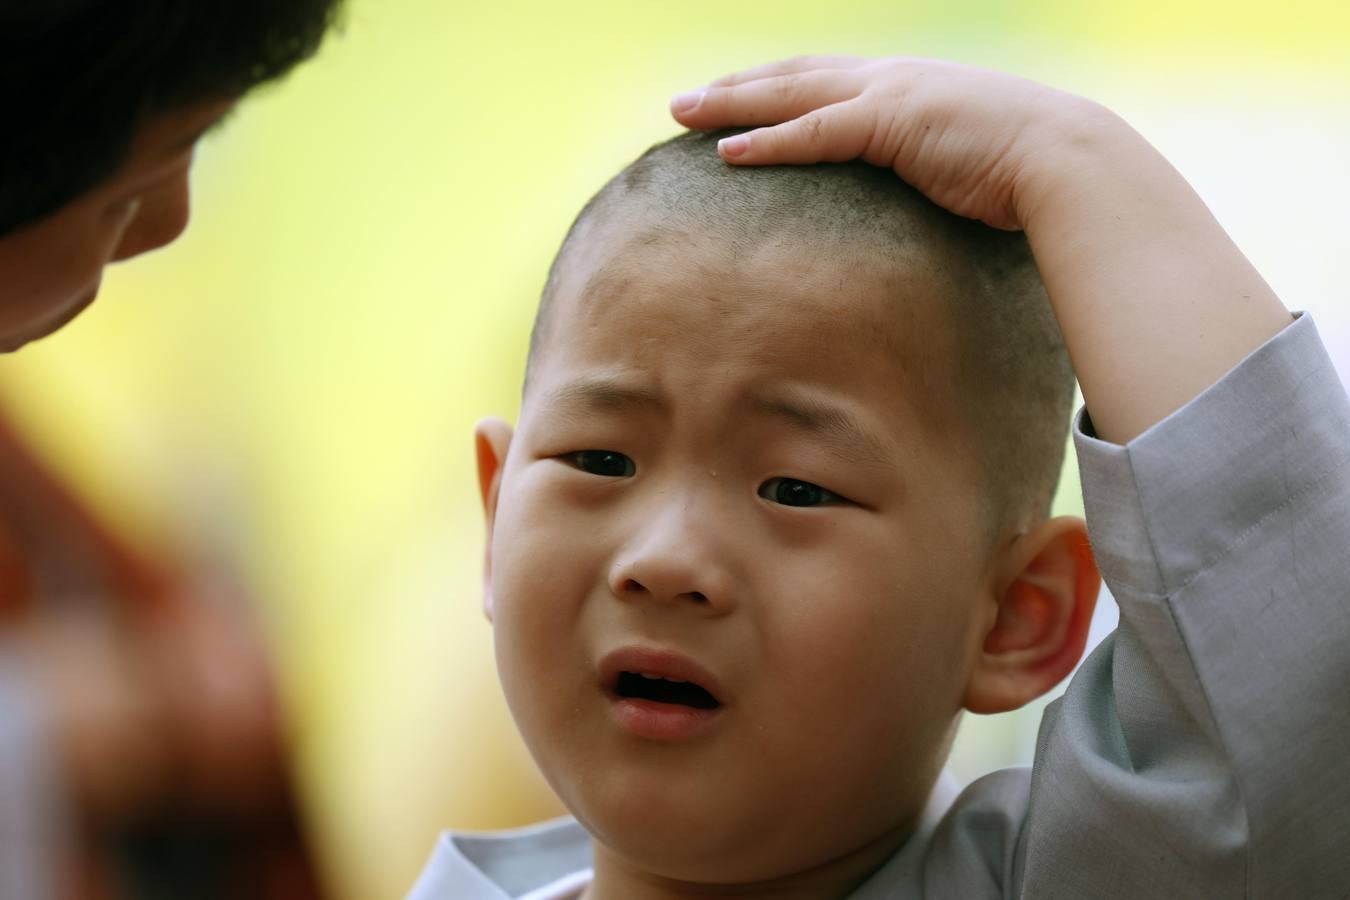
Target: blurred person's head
point(103, 104)
point(776, 512)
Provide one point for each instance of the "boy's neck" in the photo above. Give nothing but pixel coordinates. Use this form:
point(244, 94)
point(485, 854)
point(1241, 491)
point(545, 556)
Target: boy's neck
point(835, 879)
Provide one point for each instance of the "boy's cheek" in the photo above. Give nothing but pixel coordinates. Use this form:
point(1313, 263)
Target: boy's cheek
point(542, 568)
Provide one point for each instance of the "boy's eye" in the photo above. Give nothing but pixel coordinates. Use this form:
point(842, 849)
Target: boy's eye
point(791, 492)
point(602, 462)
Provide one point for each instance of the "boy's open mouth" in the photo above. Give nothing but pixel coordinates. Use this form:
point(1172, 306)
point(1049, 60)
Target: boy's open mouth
point(646, 686)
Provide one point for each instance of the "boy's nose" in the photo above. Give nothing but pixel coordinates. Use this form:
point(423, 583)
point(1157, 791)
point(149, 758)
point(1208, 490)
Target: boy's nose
point(673, 562)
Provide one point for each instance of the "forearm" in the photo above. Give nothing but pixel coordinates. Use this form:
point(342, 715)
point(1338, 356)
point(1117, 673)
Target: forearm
point(1155, 301)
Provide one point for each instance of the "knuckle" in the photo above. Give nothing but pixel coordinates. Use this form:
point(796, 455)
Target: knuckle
point(786, 88)
point(813, 127)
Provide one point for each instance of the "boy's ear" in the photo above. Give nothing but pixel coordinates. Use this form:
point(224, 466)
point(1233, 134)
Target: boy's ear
point(491, 438)
point(1050, 585)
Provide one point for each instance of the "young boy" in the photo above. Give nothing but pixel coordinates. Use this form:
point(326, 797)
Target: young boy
point(774, 514)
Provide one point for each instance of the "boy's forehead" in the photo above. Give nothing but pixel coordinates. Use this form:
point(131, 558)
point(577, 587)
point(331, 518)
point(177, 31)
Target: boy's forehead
point(775, 307)
point(786, 275)
point(650, 282)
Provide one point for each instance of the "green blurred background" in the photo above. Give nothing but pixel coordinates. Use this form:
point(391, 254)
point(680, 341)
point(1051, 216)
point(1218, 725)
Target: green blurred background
point(294, 384)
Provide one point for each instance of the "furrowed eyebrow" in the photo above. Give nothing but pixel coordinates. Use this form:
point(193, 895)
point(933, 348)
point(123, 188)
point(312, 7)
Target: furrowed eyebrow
point(844, 436)
point(589, 394)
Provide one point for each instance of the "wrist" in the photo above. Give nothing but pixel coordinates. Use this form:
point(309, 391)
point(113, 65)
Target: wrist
point(1081, 153)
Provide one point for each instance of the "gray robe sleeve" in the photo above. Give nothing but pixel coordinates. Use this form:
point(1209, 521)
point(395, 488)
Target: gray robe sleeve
point(1204, 749)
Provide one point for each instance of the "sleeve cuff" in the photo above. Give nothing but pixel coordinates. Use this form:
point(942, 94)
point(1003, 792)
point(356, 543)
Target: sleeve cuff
point(1269, 430)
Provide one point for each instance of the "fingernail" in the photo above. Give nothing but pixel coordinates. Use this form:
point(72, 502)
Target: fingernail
point(733, 146)
point(686, 102)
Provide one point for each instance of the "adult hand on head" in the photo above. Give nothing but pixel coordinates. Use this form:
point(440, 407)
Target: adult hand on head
point(970, 139)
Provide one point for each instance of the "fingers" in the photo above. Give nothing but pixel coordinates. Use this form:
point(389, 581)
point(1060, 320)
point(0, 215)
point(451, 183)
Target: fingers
point(764, 101)
point(788, 67)
point(835, 133)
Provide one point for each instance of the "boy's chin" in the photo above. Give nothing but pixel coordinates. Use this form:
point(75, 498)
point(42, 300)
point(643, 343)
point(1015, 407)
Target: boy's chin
point(680, 834)
point(708, 838)
point(680, 852)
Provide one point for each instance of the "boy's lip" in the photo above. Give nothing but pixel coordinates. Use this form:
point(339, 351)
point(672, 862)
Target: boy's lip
point(668, 664)
point(648, 718)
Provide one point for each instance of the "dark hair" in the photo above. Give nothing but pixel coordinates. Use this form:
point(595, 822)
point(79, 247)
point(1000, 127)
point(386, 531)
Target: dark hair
point(77, 77)
point(1009, 387)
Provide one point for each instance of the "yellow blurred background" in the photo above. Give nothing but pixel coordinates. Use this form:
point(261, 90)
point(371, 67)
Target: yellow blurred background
point(295, 383)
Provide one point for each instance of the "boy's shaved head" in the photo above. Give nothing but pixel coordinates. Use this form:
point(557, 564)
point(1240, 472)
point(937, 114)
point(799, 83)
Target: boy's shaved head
point(985, 354)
